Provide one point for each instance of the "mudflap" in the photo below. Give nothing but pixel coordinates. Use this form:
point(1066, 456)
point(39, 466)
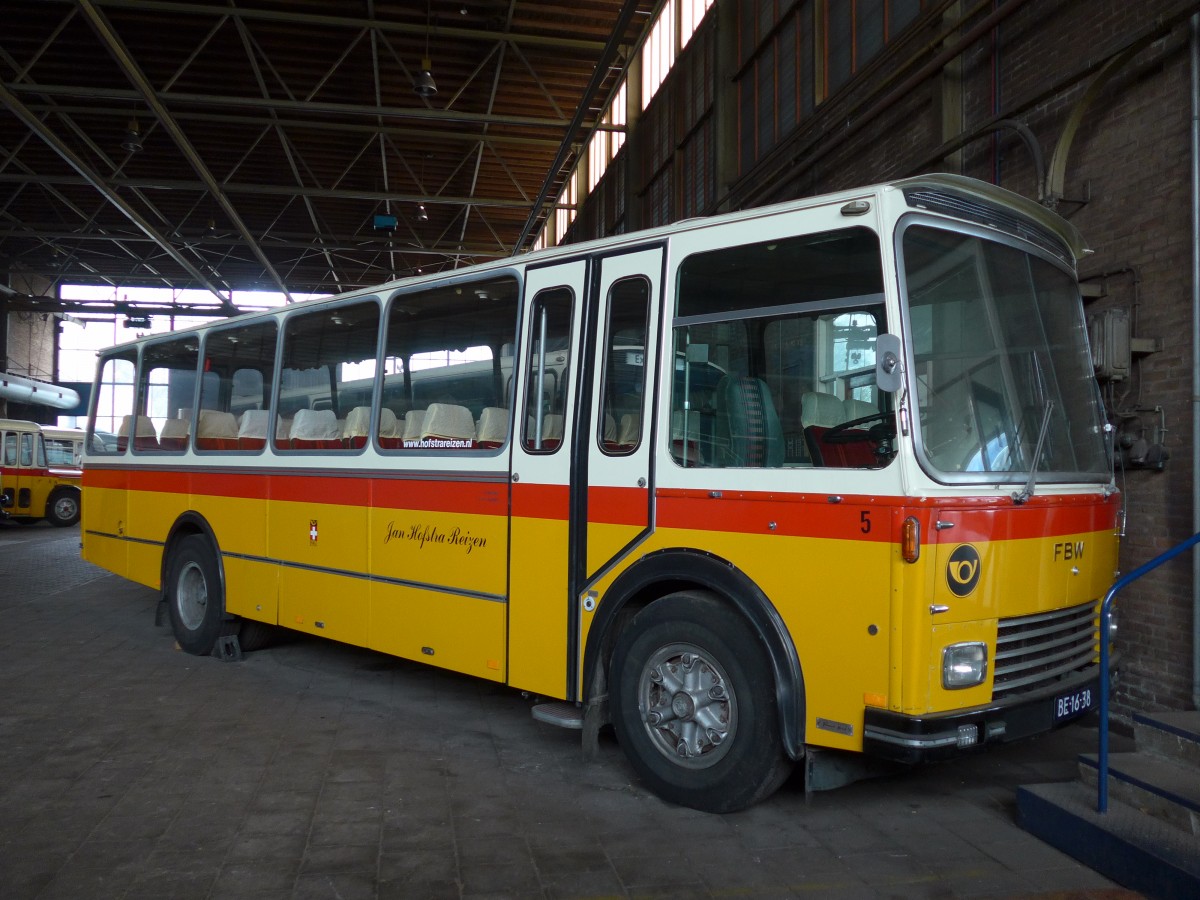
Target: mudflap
point(595, 717)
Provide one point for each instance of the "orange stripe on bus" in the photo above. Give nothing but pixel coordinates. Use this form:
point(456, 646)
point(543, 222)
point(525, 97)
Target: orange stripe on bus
point(785, 514)
point(13, 472)
point(862, 517)
point(618, 505)
point(485, 498)
point(540, 501)
point(480, 498)
point(851, 517)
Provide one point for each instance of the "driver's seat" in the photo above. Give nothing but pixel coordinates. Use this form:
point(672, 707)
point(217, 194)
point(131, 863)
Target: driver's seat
point(819, 414)
point(750, 422)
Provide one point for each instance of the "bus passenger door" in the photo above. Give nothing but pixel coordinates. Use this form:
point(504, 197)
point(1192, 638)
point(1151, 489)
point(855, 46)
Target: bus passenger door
point(11, 482)
point(10, 475)
point(24, 475)
point(620, 443)
point(545, 399)
point(617, 431)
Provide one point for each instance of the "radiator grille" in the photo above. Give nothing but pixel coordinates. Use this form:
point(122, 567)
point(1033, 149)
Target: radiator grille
point(1038, 650)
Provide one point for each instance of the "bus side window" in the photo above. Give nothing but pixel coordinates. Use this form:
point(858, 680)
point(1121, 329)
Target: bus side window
point(26, 450)
point(113, 402)
point(328, 371)
point(10, 448)
point(624, 381)
point(167, 389)
point(550, 354)
point(796, 387)
point(445, 370)
point(237, 366)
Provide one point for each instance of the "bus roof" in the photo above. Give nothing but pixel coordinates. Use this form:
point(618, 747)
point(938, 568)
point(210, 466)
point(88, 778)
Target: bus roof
point(20, 425)
point(961, 184)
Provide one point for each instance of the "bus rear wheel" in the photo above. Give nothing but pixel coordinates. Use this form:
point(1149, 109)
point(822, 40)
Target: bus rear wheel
point(254, 635)
point(194, 597)
point(694, 704)
point(62, 509)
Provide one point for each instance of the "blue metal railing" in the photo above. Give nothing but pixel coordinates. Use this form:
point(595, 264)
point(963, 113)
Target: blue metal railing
point(1105, 618)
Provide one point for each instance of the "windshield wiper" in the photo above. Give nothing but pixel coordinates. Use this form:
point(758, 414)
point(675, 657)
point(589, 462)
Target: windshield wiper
point(1026, 492)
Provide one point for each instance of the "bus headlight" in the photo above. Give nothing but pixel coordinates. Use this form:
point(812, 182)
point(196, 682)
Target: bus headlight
point(964, 665)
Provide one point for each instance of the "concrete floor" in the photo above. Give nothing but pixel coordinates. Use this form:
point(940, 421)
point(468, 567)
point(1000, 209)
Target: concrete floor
point(310, 770)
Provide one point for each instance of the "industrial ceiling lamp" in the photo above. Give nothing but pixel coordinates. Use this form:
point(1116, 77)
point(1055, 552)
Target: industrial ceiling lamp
point(422, 215)
point(132, 141)
point(424, 85)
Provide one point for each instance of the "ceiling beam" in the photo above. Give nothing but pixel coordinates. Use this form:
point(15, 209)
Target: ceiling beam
point(92, 178)
point(307, 107)
point(426, 133)
point(66, 202)
point(279, 190)
point(338, 243)
point(25, 303)
point(296, 17)
point(599, 73)
point(133, 72)
point(318, 227)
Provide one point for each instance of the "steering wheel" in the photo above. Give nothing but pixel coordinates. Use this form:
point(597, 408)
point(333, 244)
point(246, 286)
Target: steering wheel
point(843, 433)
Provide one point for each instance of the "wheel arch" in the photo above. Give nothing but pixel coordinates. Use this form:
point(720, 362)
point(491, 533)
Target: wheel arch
point(188, 524)
point(667, 571)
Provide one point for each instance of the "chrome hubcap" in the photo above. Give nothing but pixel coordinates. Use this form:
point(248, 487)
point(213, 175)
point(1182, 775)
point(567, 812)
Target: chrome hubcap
point(192, 596)
point(687, 705)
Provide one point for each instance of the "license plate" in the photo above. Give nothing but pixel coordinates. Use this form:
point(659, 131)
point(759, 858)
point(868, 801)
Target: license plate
point(1076, 703)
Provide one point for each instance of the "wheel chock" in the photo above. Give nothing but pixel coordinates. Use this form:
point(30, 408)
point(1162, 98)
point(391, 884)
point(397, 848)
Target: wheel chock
point(227, 648)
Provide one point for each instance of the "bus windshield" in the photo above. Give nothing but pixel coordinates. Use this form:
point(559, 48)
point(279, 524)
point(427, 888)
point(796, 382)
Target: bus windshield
point(998, 339)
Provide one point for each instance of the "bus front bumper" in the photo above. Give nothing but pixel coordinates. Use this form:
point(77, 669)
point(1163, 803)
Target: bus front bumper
point(913, 739)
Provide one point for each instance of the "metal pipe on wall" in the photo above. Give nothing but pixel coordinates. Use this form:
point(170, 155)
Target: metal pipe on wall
point(1195, 161)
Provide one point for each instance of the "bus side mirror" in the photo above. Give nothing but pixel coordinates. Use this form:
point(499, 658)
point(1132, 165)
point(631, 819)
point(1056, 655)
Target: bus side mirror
point(888, 372)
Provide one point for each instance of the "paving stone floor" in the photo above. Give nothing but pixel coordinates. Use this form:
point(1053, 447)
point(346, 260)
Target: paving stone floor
point(313, 770)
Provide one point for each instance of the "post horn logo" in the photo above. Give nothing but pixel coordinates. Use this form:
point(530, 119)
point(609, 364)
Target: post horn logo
point(962, 572)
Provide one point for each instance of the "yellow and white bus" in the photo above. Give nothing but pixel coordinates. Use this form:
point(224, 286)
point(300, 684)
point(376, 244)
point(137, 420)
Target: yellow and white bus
point(35, 485)
point(822, 481)
point(64, 446)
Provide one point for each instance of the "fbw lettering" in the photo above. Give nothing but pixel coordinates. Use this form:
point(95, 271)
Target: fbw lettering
point(1067, 550)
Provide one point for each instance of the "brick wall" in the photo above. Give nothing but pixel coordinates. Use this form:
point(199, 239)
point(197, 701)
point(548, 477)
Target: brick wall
point(31, 341)
point(1130, 161)
point(1127, 188)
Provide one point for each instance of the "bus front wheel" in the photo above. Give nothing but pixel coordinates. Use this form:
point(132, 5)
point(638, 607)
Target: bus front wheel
point(194, 598)
point(694, 704)
point(62, 509)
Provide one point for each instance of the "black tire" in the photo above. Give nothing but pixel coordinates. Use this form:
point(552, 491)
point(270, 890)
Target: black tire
point(718, 747)
point(62, 508)
point(256, 635)
point(195, 599)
